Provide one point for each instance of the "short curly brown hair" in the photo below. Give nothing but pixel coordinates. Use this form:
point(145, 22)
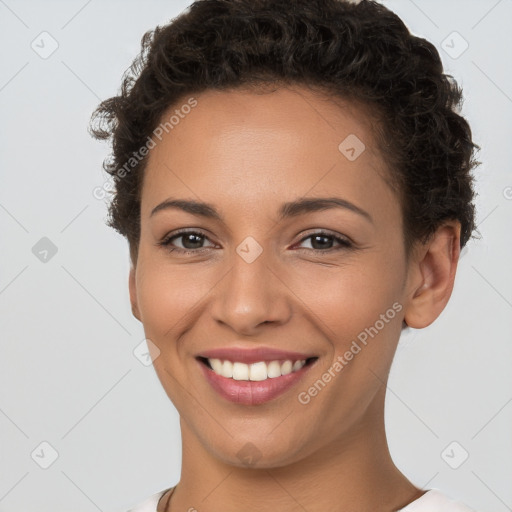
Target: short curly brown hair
point(361, 52)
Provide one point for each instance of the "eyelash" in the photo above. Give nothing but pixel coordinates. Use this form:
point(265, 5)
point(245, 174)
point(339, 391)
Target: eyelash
point(166, 242)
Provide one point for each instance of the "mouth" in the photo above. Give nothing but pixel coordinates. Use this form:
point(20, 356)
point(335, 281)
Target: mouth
point(258, 371)
point(255, 383)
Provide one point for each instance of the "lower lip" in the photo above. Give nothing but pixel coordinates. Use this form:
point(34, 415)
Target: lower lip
point(246, 392)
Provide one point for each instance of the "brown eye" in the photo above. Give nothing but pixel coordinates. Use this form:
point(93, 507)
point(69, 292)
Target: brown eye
point(191, 242)
point(323, 242)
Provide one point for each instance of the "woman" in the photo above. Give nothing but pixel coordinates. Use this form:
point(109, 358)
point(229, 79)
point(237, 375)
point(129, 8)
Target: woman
point(295, 186)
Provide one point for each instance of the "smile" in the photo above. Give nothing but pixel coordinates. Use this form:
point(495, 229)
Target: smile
point(255, 383)
point(258, 371)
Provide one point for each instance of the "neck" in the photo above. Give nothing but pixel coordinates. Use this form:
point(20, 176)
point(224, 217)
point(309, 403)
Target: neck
point(352, 472)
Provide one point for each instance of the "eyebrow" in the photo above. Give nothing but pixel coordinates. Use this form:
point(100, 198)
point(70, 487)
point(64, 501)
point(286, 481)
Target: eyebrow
point(287, 210)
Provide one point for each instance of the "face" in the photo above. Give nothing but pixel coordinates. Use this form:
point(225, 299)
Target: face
point(324, 280)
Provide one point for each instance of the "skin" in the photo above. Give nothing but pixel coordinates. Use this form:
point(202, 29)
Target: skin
point(246, 154)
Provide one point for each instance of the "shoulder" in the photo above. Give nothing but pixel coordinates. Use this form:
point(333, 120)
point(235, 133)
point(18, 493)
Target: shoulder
point(435, 501)
point(149, 504)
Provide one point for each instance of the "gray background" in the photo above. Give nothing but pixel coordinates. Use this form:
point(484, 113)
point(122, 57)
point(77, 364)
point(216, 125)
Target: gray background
point(68, 374)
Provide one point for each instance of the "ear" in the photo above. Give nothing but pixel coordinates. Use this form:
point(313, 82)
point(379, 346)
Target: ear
point(431, 276)
point(133, 293)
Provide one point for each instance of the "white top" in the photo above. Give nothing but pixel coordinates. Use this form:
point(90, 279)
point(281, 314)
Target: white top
point(432, 501)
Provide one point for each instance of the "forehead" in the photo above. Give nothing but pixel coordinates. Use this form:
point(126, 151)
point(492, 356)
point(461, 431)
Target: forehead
point(293, 110)
point(257, 145)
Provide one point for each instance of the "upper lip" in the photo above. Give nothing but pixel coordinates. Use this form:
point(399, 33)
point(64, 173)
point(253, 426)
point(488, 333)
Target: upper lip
point(253, 355)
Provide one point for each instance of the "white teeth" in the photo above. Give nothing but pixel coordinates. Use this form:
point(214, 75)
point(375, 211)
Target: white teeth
point(286, 368)
point(297, 366)
point(255, 371)
point(227, 369)
point(240, 371)
point(274, 369)
point(216, 365)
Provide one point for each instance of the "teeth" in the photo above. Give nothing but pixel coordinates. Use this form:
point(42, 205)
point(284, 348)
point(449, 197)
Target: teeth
point(217, 365)
point(227, 369)
point(286, 368)
point(273, 369)
point(297, 365)
point(240, 371)
point(254, 371)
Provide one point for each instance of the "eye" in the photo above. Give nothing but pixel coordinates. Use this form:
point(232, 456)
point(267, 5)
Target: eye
point(322, 241)
point(191, 241)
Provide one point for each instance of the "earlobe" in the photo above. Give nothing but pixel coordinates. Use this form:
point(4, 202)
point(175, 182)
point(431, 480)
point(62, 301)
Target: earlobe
point(432, 276)
point(133, 294)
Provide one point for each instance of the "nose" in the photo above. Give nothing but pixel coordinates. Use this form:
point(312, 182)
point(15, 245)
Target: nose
point(250, 295)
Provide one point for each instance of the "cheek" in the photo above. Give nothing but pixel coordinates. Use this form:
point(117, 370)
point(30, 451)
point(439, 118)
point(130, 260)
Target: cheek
point(168, 296)
point(349, 298)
